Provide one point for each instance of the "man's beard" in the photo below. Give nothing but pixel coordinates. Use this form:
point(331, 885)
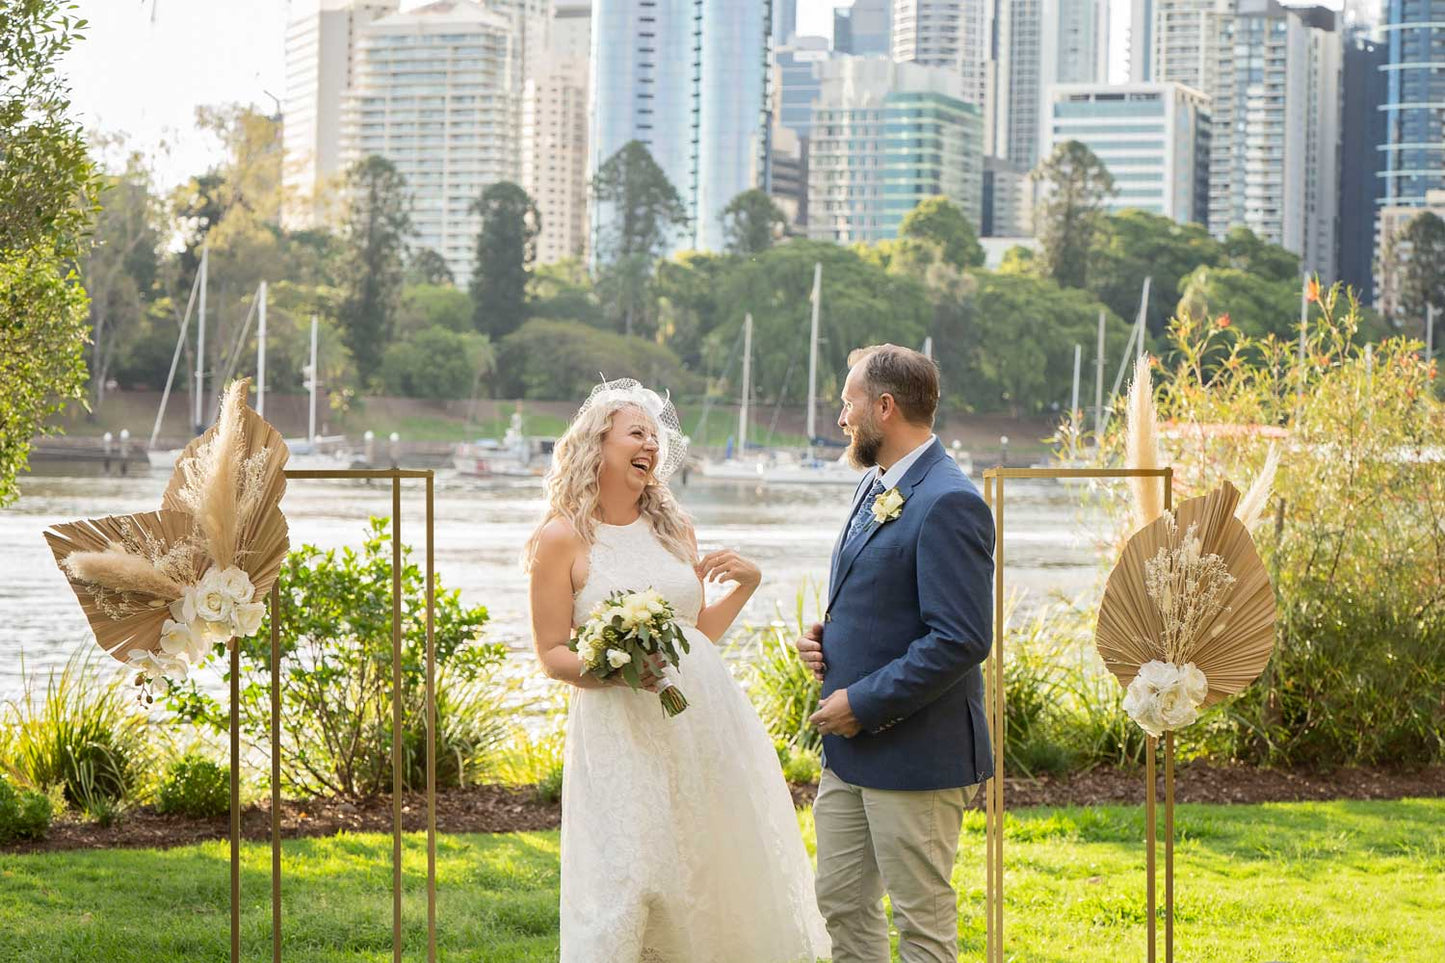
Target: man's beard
point(864, 445)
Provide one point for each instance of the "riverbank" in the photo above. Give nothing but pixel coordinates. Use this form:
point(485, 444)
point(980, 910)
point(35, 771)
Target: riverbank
point(448, 422)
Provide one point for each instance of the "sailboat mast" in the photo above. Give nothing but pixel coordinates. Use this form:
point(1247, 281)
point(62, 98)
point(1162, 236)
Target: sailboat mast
point(747, 384)
point(311, 384)
point(813, 357)
point(261, 354)
point(199, 419)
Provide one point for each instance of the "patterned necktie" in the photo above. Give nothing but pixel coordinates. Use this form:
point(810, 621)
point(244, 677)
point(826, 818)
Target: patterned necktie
point(864, 514)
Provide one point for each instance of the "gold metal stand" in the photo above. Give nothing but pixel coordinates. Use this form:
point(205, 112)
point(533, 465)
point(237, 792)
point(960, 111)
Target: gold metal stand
point(993, 676)
point(395, 475)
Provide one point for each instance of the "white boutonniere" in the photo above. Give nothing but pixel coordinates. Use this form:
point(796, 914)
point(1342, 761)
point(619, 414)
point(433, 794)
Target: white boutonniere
point(887, 506)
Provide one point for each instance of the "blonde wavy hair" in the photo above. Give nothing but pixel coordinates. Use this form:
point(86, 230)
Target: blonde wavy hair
point(572, 486)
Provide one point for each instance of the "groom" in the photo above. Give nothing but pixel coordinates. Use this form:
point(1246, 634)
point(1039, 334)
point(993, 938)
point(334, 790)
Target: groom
point(908, 624)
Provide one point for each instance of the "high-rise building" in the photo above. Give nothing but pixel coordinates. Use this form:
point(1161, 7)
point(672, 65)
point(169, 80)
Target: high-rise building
point(795, 90)
point(1362, 134)
point(1008, 200)
point(320, 70)
point(689, 80)
point(1152, 138)
point(954, 34)
point(785, 21)
point(554, 131)
point(1414, 101)
point(437, 93)
point(1274, 160)
point(885, 136)
point(864, 29)
point(1042, 43)
point(1394, 251)
point(1183, 41)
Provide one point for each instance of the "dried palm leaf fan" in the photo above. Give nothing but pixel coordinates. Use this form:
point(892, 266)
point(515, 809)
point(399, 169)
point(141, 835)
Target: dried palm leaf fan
point(160, 588)
point(126, 570)
point(1188, 612)
point(230, 481)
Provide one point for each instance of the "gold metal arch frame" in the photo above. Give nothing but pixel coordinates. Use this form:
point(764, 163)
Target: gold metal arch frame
point(993, 494)
point(395, 475)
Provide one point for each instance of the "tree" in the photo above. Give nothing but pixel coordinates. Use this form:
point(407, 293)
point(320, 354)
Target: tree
point(1133, 245)
point(862, 304)
point(1020, 261)
point(120, 267)
point(752, 222)
point(1420, 263)
point(563, 290)
point(506, 248)
point(437, 363)
point(428, 267)
point(642, 210)
point(1076, 184)
point(560, 360)
point(939, 221)
point(1012, 347)
point(427, 305)
point(375, 232)
point(1247, 251)
point(47, 189)
point(1255, 305)
point(642, 205)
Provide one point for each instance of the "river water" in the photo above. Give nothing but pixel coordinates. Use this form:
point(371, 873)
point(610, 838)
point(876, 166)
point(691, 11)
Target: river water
point(480, 529)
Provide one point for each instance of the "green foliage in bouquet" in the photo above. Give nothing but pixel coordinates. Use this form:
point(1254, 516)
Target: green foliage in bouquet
point(195, 786)
point(1354, 537)
point(627, 630)
point(336, 676)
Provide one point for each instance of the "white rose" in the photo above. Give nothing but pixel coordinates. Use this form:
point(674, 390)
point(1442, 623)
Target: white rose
point(209, 602)
point(1194, 683)
point(175, 638)
point(1175, 709)
point(617, 658)
point(246, 618)
point(235, 583)
point(638, 611)
point(887, 506)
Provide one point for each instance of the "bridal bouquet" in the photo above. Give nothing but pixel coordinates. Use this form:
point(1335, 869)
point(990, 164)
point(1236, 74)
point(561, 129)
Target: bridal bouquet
point(626, 631)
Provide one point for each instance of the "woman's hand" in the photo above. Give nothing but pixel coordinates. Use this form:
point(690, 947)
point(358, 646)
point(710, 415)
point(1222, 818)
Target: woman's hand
point(726, 565)
point(650, 673)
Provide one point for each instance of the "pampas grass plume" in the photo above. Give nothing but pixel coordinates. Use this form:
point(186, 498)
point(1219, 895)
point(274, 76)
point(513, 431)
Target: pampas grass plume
point(1251, 506)
point(1142, 446)
point(120, 571)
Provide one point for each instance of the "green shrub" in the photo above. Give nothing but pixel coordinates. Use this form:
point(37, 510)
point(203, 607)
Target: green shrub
point(802, 766)
point(336, 676)
point(534, 759)
point(1354, 541)
point(195, 786)
point(24, 813)
point(85, 735)
point(781, 688)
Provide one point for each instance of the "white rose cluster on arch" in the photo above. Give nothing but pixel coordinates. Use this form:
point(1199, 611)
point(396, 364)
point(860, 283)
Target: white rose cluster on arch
point(218, 608)
point(1164, 696)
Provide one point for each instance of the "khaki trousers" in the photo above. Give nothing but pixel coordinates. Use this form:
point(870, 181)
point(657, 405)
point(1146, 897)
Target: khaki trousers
point(876, 840)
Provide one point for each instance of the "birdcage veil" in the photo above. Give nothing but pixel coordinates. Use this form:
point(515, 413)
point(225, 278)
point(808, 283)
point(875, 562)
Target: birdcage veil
point(671, 442)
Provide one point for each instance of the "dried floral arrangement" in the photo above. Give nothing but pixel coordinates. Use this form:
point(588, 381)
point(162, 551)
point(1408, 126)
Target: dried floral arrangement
point(1188, 612)
point(162, 589)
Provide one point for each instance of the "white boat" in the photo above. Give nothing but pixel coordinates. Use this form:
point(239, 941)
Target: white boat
point(515, 456)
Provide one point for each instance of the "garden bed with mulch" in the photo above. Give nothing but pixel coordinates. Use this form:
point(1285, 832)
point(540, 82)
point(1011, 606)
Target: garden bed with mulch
point(499, 809)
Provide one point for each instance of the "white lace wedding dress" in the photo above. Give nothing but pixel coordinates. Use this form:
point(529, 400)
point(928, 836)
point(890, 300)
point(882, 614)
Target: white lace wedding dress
point(679, 839)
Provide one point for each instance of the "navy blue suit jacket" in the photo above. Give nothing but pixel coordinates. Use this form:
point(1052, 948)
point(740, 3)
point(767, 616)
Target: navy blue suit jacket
point(909, 623)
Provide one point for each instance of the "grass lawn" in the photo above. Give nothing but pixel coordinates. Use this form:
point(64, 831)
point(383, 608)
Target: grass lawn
point(1342, 881)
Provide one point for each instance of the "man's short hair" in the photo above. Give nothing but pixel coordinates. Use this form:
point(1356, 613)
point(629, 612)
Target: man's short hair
point(911, 377)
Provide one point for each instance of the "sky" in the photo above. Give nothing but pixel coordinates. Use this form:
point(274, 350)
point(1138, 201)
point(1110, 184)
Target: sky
point(145, 65)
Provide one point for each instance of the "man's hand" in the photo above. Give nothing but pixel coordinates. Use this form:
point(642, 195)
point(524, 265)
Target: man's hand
point(810, 649)
point(835, 717)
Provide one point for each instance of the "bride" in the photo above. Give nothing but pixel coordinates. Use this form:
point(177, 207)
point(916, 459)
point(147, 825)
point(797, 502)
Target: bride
point(679, 840)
